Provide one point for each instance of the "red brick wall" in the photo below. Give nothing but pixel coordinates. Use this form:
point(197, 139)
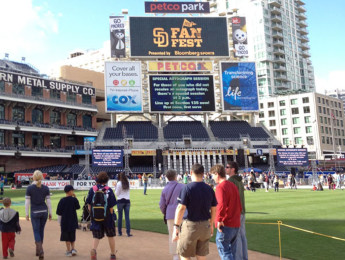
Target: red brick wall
point(63, 96)
point(28, 139)
point(28, 115)
point(28, 91)
point(46, 93)
point(79, 99)
point(8, 88)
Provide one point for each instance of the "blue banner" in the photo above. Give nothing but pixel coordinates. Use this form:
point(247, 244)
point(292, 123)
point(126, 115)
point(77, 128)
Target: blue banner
point(107, 157)
point(292, 156)
point(239, 86)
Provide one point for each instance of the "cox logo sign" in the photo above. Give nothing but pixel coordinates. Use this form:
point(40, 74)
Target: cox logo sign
point(124, 100)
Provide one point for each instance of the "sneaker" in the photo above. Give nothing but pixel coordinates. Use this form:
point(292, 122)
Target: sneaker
point(68, 253)
point(11, 252)
point(5, 257)
point(94, 254)
point(129, 235)
point(112, 257)
point(74, 252)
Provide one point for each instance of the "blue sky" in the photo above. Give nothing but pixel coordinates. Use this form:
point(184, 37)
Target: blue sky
point(45, 31)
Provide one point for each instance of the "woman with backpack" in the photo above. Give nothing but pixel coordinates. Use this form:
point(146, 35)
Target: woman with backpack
point(123, 203)
point(101, 200)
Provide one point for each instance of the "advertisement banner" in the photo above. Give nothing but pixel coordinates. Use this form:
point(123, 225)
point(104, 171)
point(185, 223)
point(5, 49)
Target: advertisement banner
point(239, 36)
point(177, 7)
point(179, 37)
point(143, 152)
point(84, 184)
point(123, 86)
point(117, 36)
point(292, 156)
point(44, 83)
point(107, 157)
point(60, 185)
point(180, 66)
point(239, 86)
point(182, 93)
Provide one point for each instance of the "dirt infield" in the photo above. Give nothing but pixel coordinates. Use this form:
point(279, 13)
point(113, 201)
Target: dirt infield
point(141, 246)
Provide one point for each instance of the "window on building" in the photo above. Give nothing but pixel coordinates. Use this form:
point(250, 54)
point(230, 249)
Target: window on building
point(261, 105)
point(2, 112)
point(327, 102)
point(283, 121)
point(295, 120)
point(342, 132)
point(296, 130)
point(308, 129)
point(322, 130)
point(273, 131)
point(55, 141)
point(320, 109)
point(294, 111)
point(329, 120)
point(294, 101)
point(55, 94)
point(36, 92)
point(298, 140)
point(271, 113)
point(321, 119)
point(37, 116)
point(307, 119)
point(323, 139)
point(71, 119)
point(326, 129)
point(55, 117)
point(18, 139)
point(310, 140)
point(343, 141)
point(323, 101)
point(341, 123)
point(282, 112)
point(284, 131)
point(2, 86)
point(318, 99)
point(305, 100)
point(270, 104)
point(324, 110)
point(327, 111)
point(37, 140)
point(71, 97)
point(282, 103)
point(330, 140)
point(306, 110)
point(18, 89)
point(18, 114)
point(86, 99)
point(261, 115)
point(87, 121)
point(2, 137)
point(286, 141)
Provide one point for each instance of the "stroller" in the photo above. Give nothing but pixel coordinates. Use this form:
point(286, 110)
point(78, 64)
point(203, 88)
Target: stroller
point(85, 222)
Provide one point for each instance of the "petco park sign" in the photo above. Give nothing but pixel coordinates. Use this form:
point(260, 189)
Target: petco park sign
point(26, 80)
point(177, 7)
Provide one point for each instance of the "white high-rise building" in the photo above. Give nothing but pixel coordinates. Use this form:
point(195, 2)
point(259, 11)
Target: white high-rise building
point(277, 40)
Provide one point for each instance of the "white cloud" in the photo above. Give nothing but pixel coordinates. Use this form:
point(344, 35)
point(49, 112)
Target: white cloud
point(25, 29)
point(334, 80)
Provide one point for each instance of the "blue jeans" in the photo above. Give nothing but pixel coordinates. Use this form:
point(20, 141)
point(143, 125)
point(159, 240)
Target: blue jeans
point(241, 242)
point(145, 187)
point(123, 207)
point(226, 243)
point(38, 221)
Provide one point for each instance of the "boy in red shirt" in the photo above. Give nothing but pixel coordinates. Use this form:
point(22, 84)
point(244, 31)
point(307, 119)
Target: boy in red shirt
point(228, 215)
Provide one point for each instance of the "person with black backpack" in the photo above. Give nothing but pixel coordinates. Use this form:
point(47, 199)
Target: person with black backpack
point(101, 200)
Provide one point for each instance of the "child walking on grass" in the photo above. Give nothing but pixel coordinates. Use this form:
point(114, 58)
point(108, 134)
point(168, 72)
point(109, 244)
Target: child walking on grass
point(9, 225)
point(67, 217)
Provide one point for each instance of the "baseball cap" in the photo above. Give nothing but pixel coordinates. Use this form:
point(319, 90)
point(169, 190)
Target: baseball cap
point(68, 188)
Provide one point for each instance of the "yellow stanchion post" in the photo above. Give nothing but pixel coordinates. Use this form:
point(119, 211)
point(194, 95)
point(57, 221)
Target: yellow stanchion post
point(280, 242)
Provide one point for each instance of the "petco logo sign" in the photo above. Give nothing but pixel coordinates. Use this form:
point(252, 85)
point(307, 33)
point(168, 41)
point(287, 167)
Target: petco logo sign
point(177, 7)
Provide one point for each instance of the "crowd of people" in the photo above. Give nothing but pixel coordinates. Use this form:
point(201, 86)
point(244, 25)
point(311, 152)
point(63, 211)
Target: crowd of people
point(193, 204)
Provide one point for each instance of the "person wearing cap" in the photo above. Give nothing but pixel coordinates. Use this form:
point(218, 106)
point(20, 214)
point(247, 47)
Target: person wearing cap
point(67, 217)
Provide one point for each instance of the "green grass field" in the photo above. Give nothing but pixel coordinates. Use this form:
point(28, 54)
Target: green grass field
point(321, 212)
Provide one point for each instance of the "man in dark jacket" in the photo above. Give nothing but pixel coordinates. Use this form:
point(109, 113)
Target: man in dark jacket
point(241, 243)
point(9, 224)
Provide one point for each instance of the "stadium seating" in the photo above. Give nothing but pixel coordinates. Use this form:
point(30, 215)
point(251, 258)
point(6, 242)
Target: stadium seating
point(138, 130)
point(175, 130)
point(231, 130)
point(49, 169)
